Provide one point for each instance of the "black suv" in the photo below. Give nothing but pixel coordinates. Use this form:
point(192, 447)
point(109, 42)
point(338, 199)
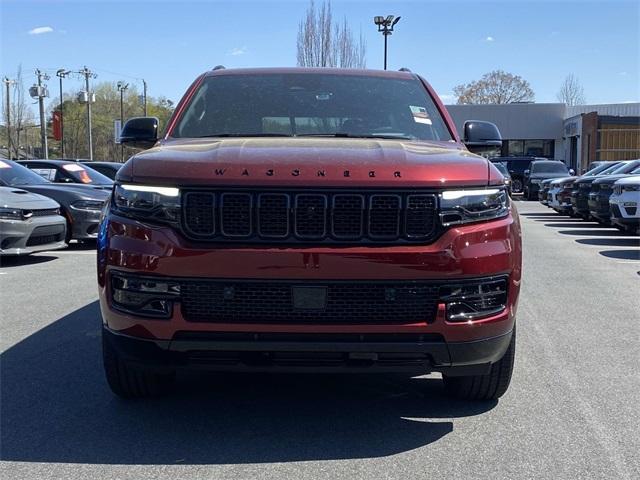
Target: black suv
point(540, 170)
point(516, 167)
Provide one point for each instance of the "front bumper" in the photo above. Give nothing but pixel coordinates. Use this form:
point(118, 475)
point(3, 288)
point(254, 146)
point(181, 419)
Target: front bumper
point(23, 237)
point(580, 201)
point(84, 224)
point(418, 354)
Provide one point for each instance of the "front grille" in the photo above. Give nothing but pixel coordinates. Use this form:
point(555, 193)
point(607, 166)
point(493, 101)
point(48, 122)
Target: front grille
point(230, 301)
point(297, 217)
point(45, 212)
point(35, 240)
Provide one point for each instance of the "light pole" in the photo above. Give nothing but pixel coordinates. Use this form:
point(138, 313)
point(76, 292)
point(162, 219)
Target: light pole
point(385, 25)
point(40, 91)
point(62, 73)
point(121, 88)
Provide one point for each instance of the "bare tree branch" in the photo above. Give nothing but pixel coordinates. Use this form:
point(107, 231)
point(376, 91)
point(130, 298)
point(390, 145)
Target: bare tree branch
point(571, 91)
point(495, 87)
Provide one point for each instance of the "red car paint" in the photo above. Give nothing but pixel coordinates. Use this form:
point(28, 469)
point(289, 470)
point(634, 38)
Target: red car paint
point(461, 252)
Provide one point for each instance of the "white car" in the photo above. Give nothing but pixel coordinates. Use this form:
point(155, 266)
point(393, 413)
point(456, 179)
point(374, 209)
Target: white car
point(559, 196)
point(624, 203)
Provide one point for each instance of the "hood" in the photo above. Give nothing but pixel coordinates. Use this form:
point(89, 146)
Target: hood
point(586, 179)
point(563, 180)
point(294, 162)
point(609, 179)
point(17, 198)
point(64, 193)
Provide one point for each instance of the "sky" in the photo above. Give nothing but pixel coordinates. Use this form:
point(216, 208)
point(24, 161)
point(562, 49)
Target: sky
point(169, 43)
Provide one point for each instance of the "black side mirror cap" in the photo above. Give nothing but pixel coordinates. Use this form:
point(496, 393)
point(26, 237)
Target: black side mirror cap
point(140, 132)
point(480, 137)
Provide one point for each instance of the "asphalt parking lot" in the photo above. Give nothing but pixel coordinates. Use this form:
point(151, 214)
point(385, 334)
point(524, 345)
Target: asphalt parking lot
point(571, 412)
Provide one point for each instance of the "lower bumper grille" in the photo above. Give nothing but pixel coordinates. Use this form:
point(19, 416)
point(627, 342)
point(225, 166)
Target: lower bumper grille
point(326, 303)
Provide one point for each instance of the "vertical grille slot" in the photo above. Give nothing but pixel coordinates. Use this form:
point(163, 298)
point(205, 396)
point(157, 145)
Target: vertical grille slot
point(199, 214)
point(348, 216)
point(384, 216)
point(273, 215)
point(310, 216)
point(420, 215)
point(236, 214)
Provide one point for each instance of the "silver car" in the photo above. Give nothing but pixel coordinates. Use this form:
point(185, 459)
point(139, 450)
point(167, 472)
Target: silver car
point(29, 223)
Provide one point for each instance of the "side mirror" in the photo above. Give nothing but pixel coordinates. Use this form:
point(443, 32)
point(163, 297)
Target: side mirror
point(526, 172)
point(572, 172)
point(481, 136)
point(140, 132)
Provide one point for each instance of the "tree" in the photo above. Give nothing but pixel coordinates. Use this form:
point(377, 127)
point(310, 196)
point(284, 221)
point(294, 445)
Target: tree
point(571, 91)
point(495, 87)
point(323, 43)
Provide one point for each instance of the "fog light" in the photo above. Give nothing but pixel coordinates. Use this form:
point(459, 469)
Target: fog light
point(474, 300)
point(143, 296)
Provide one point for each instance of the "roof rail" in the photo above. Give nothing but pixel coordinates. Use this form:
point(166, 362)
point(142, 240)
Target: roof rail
point(219, 67)
point(404, 69)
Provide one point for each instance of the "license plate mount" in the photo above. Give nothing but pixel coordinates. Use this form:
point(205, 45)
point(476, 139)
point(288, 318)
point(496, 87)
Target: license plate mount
point(309, 297)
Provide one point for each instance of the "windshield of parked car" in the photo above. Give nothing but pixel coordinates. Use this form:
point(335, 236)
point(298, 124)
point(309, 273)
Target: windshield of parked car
point(549, 167)
point(308, 104)
point(86, 175)
point(12, 174)
point(625, 167)
point(600, 168)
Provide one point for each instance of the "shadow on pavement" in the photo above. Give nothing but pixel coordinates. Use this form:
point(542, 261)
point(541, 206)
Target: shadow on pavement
point(56, 407)
point(622, 254)
point(565, 224)
point(611, 242)
point(22, 260)
point(601, 232)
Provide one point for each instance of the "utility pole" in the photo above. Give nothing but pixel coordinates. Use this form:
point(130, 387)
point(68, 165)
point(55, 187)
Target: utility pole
point(88, 96)
point(7, 84)
point(121, 88)
point(40, 91)
point(144, 96)
point(62, 73)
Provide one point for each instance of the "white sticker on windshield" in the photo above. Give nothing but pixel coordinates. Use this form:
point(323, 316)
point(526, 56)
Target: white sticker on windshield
point(4, 165)
point(420, 114)
point(71, 167)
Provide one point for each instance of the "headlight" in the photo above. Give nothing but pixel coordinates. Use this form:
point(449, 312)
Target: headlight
point(535, 181)
point(584, 186)
point(466, 206)
point(11, 214)
point(91, 205)
point(145, 202)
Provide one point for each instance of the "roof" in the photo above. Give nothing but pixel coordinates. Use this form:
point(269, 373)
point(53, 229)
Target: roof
point(308, 70)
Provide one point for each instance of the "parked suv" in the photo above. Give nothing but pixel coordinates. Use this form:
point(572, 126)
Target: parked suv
point(327, 220)
point(624, 203)
point(540, 170)
point(517, 167)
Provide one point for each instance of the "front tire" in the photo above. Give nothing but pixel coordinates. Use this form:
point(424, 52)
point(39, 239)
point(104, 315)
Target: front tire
point(129, 381)
point(484, 387)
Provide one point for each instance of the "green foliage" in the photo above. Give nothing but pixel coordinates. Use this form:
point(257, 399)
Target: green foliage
point(104, 112)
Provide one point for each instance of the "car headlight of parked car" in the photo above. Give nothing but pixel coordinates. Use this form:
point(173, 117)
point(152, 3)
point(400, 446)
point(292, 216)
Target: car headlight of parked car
point(466, 206)
point(145, 202)
point(91, 205)
point(10, 214)
point(535, 181)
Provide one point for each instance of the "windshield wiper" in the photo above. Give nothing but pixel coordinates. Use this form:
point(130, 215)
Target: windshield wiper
point(386, 136)
point(213, 135)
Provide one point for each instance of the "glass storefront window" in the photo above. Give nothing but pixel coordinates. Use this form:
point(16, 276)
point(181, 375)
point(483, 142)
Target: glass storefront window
point(528, 148)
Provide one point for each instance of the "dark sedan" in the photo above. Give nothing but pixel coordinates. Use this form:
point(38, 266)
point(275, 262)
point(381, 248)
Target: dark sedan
point(67, 171)
point(79, 204)
point(108, 169)
point(602, 188)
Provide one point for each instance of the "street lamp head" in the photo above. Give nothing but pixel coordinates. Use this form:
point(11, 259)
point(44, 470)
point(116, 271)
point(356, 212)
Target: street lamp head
point(378, 20)
point(389, 19)
point(395, 21)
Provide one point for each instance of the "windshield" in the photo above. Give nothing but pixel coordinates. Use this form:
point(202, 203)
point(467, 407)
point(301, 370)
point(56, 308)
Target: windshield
point(86, 175)
point(599, 169)
point(309, 104)
point(12, 174)
point(548, 167)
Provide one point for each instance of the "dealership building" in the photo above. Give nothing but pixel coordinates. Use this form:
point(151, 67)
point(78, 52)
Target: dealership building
point(577, 135)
